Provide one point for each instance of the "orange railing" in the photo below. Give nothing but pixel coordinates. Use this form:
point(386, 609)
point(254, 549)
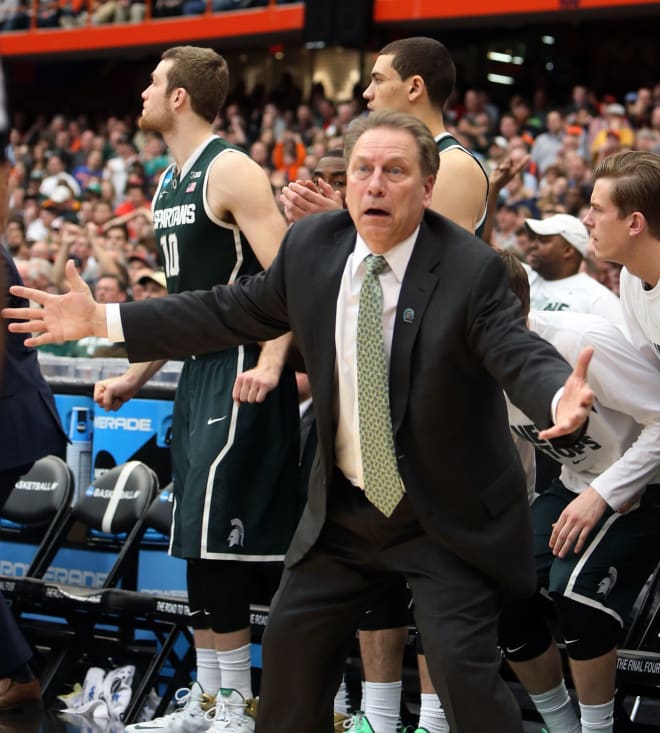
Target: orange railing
point(273, 18)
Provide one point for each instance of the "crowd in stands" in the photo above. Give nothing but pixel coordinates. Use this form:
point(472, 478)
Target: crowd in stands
point(17, 15)
point(82, 190)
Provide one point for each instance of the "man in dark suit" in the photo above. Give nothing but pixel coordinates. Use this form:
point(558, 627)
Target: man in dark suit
point(29, 429)
point(454, 519)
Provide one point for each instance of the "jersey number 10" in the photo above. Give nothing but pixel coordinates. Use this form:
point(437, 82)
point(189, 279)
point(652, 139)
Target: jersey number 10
point(170, 247)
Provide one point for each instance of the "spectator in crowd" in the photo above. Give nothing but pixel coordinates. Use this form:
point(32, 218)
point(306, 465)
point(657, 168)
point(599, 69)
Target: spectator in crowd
point(547, 146)
point(152, 285)
point(507, 221)
point(15, 238)
point(57, 175)
point(615, 126)
point(92, 169)
point(559, 244)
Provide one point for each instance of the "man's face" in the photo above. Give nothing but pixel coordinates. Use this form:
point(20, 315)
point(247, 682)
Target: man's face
point(546, 255)
point(607, 229)
point(332, 171)
point(387, 90)
point(386, 193)
point(116, 238)
point(152, 290)
point(70, 232)
point(554, 122)
point(107, 290)
point(157, 114)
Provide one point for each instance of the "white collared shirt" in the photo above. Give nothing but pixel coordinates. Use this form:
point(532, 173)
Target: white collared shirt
point(347, 439)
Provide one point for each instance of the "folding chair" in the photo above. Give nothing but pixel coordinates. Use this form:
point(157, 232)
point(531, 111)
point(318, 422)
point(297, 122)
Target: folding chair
point(38, 506)
point(112, 506)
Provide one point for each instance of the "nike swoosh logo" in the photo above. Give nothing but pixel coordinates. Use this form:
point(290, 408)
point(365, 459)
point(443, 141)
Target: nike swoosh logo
point(571, 641)
point(216, 419)
point(515, 649)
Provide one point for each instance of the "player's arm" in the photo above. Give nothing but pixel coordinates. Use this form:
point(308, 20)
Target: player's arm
point(627, 383)
point(460, 189)
point(254, 384)
point(239, 191)
point(111, 393)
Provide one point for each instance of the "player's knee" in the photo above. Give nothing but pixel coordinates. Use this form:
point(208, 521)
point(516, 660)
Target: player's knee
point(523, 631)
point(588, 632)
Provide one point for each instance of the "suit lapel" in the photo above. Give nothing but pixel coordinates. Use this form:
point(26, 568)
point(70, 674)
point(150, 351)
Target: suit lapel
point(418, 285)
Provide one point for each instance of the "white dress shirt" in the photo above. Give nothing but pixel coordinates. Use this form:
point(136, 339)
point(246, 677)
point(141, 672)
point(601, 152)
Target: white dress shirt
point(347, 438)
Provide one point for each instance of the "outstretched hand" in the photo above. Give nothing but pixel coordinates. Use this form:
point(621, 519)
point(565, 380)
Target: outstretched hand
point(575, 403)
point(61, 317)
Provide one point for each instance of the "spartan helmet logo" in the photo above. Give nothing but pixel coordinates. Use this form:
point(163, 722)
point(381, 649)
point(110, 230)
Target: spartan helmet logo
point(237, 533)
point(607, 583)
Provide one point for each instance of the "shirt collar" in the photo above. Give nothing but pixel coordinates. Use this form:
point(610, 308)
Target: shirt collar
point(397, 257)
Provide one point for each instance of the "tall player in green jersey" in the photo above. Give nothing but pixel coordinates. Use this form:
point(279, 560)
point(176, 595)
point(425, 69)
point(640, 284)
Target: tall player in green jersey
point(234, 463)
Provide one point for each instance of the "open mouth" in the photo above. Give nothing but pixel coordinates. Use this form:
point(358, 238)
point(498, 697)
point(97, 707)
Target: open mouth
point(376, 212)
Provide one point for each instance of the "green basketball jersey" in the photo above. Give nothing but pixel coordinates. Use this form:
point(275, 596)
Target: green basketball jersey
point(196, 249)
point(446, 141)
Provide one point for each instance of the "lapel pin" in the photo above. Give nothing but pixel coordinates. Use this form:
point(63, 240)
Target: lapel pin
point(408, 315)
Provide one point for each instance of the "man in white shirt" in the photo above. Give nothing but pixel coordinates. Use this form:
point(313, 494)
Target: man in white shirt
point(596, 527)
point(559, 244)
point(456, 528)
point(57, 176)
point(624, 224)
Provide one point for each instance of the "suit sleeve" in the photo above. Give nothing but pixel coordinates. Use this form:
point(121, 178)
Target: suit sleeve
point(177, 326)
point(528, 368)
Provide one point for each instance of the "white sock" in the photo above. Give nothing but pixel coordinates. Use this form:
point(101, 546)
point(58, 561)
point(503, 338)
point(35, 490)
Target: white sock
point(341, 698)
point(235, 670)
point(382, 705)
point(598, 717)
point(556, 709)
point(208, 670)
point(431, 715)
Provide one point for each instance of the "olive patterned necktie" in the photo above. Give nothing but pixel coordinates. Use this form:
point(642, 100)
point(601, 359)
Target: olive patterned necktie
point(382, 484)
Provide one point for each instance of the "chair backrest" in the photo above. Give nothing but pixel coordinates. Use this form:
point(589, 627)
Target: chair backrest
point(159, 513)
point(42, 499)
point(115, 501)
point(39, 495)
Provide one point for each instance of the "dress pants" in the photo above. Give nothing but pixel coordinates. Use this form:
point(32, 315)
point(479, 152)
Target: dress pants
point(320, 600)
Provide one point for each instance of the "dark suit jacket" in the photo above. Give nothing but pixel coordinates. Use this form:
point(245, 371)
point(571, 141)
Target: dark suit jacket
point(457, 343)
point(29, 423)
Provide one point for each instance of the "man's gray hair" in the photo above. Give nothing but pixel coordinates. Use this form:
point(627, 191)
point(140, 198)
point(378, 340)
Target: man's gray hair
point(429, 159)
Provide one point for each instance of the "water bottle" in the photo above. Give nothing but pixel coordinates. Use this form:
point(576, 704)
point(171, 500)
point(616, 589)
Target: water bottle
point(79, 451)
